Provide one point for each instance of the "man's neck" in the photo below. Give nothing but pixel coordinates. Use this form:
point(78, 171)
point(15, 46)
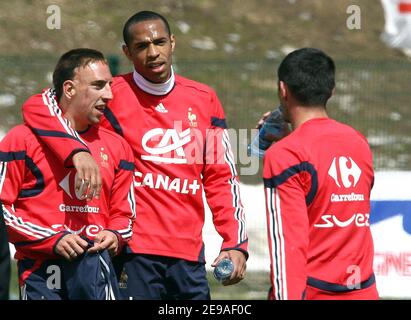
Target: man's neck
point(75, 125)
point(157, 89)
point(302, 114)
point(71, 119)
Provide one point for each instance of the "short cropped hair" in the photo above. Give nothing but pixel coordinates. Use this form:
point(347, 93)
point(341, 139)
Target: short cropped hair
point(139, 17)
point(309, 74)
point(71, 60)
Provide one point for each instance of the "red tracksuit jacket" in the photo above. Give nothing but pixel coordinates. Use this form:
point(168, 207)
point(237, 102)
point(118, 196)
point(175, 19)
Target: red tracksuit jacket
point(181, 148)
point(37, 191)
point(318, 182)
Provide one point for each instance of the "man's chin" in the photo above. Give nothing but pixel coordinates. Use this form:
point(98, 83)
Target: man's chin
point(159, 77)
point(95, 120)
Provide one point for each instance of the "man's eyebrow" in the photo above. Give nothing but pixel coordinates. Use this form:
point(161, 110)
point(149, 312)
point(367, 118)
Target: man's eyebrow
point(99, 82)
point(160, 39)
point(149, 41)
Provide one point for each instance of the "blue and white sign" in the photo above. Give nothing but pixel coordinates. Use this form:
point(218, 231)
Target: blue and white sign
point(391, 228)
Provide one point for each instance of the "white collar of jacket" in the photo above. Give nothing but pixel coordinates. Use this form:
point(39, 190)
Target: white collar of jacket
point(157, 89)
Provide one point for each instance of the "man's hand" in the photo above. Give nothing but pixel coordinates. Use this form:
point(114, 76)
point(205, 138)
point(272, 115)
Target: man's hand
point(105, 240)
point(88, 181)
point(239, 262)
point(71, 246)
point(261, 121)
point(270, 137)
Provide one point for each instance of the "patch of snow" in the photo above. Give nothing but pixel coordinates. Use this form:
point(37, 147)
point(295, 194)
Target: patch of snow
point(206, 43)
point(184, 27)
point(7, 100)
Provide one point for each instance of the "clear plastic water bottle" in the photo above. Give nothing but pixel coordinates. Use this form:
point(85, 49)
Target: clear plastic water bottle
point(223, 270)
point(273, 126)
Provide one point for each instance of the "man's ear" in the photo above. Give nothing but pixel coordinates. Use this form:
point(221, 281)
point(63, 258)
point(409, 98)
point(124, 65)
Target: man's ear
point(282, 90)
point(126, 52)
point(68, 89)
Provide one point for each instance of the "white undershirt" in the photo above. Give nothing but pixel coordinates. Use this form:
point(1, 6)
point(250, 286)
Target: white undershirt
point(157, 89)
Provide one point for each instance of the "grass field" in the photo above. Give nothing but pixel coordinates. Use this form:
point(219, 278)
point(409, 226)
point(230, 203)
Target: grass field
point(14, 289)
point(253, 28)
point(370, 96)
point(254, 287)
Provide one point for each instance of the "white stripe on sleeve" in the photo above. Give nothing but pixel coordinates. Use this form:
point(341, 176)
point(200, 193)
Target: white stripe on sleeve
point(276, 238)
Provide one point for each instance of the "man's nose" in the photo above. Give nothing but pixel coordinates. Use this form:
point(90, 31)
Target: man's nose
point(107, 94)
point(152, 50)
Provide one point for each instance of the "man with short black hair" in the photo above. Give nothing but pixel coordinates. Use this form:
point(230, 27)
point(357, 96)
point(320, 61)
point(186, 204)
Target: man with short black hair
point(318, 182)
point(56, 231)
point(177, 130)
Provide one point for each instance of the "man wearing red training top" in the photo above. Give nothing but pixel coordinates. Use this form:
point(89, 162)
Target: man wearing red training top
point(177, 130)
point(317, 183)
point(51, 223)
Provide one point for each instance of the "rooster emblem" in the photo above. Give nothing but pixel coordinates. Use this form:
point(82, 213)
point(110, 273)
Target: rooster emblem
point(192, 118)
